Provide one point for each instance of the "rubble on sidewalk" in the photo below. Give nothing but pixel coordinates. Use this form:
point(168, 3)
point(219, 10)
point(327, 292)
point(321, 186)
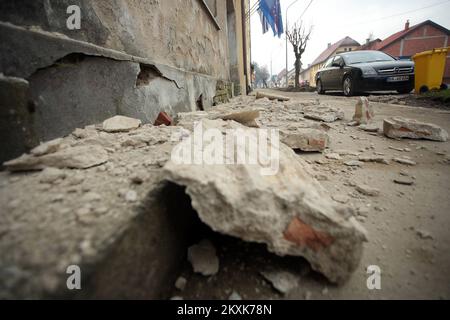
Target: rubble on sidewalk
point(289, 211)
point(398, 128)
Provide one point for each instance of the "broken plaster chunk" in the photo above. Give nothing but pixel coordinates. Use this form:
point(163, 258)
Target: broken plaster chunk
point(261, 95)
point(265, 208)
point(398, 128)
point(244, 117)
point(120, 124)
point(203, 258)
point(305, 139)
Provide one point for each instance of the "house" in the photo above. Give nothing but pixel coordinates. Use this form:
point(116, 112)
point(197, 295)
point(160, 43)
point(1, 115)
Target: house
point(370, 44)
point(133, 58)
point(421, 37)
point(343, 45)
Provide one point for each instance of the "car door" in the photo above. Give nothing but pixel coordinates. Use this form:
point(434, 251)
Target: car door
point(325, 74)
point(336, 73)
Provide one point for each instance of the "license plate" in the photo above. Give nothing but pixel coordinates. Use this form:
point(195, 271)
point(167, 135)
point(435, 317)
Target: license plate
point(397, 79)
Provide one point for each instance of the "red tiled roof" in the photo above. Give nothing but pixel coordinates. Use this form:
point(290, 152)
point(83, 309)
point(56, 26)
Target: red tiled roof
point(396, 36)
point(347, 41)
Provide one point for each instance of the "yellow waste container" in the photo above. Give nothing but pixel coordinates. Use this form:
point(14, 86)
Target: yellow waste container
point(430, 66)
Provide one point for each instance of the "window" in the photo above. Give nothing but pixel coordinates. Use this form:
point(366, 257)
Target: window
point(328, 63)
point(337, 60)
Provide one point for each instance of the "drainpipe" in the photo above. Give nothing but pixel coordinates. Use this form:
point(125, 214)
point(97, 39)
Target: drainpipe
point(244, 43)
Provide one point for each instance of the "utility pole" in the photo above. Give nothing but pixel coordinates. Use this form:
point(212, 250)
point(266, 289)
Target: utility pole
point(285, 33)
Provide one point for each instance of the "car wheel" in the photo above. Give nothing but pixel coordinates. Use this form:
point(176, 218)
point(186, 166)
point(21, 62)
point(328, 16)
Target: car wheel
point(320, 87)
point(405, 91)
point(347, 86)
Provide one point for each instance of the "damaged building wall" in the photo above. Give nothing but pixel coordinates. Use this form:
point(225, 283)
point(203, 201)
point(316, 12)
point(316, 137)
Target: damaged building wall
point(80, 77)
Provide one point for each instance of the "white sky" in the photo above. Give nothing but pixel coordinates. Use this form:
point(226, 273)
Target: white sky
point(333, 20)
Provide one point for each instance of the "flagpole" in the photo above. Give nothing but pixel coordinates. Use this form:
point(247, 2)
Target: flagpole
point(285, 32)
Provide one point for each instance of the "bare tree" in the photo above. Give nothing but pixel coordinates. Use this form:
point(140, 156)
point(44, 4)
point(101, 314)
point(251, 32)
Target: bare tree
point(298, 37)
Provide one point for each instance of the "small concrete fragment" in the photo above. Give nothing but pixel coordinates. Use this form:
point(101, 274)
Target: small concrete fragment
point(333, 156)
point(120, 124)
point(343, 199)
point(368, 191)
point(405, 161)
point(261, 95)
point(234, 296)
point(203, 258)
point(369, 127)
point(47, 147)
point(246, 118)
point(398, 128)
point(377, 159)
point(363, 112)
point(404, 181)
point(80, 157)
point(305, 139)
point(354, 163)
point(282, 281)
point(323, 113)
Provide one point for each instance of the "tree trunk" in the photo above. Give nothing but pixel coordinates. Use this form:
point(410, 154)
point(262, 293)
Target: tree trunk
point(297, 71)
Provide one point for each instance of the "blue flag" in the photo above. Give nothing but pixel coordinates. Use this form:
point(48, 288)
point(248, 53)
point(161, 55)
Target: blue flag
point(270, 13)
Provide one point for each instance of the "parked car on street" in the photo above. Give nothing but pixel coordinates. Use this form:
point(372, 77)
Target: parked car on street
point(357, 71)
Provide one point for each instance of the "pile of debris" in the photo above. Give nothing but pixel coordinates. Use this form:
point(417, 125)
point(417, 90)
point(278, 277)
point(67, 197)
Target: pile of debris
point(100, 178)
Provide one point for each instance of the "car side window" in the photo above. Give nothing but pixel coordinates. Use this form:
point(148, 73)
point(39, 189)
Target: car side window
point(337, 60)
point(329, 62)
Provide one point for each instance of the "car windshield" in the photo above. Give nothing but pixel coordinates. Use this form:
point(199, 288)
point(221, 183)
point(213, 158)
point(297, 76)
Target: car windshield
point(368, 56)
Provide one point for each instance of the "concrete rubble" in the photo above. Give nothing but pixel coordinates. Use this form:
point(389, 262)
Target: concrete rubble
point(323, 113)
point(364, 112)
point(398, 128)
point(120, 124)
